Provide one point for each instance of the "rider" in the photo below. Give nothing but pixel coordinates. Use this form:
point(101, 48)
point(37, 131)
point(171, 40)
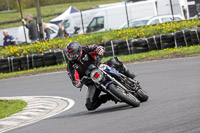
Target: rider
point(79, 58)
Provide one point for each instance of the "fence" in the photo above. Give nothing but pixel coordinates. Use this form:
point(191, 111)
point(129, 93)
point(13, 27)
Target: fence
point(192, 10)
point(35, 18)
point(96, 20)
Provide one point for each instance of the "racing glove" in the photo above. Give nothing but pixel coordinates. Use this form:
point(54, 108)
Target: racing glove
point(77, 84)
point(100, 50)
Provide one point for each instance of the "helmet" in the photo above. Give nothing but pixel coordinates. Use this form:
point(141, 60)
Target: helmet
point(73, 51)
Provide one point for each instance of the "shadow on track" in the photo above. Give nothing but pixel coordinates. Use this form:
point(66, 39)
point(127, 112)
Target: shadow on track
point(110, 109)
point(96, 112)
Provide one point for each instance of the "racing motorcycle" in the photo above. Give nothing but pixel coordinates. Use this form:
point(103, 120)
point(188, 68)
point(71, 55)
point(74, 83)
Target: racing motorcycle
point(119, 86)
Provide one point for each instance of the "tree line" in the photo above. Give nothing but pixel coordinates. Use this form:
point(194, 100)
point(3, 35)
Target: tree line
point(13, 4)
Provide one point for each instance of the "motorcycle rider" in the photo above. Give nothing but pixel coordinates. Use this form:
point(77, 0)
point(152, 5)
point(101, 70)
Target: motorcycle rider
point(79, 58)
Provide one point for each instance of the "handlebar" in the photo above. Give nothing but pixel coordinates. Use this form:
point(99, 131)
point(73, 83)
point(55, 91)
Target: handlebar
point(99, 58)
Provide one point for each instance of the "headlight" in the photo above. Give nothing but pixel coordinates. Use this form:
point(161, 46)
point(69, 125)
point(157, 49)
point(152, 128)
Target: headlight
point(96, 75)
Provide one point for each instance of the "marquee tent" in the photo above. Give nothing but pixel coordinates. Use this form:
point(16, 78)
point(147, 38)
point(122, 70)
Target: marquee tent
point(62, 16)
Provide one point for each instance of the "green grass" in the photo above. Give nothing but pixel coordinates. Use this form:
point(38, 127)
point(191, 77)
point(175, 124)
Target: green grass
point(152, 55)
point(46, 10)
point(9, 107)
point(192, 51)
point(35, 70)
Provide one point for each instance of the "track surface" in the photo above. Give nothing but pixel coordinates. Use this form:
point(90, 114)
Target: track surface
point(174, 105)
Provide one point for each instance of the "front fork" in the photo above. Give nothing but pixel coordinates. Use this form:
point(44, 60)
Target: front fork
point(113, 80)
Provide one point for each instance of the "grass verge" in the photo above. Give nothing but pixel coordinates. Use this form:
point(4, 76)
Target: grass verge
point(9, 107)
point(140, 57)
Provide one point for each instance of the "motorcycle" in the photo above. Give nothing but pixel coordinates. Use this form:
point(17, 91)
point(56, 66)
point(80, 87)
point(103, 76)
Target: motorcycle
point(119, 86)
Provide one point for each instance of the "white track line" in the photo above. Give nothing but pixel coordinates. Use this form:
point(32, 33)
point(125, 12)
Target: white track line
point(69, 101)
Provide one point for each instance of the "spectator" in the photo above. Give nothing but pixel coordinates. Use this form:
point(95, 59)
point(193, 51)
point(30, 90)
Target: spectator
point(66, 34)
point(60, 31)
point(8, 40)
point(184, 12)
point(47, 31)
point(33, 29)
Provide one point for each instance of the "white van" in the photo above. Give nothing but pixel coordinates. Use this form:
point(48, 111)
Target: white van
point(113, 17)
point(73, 20)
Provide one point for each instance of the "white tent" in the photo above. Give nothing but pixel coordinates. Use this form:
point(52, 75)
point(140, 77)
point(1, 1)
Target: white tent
point(62, 16)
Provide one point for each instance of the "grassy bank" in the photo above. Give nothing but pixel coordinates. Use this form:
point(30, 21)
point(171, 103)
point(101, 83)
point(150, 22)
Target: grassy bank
point(47, 10)
point(34, 71)
point(9, 107)
point(163, 54)
point(152, 55)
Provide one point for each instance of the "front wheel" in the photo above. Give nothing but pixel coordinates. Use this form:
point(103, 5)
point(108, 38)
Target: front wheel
point(126, 97)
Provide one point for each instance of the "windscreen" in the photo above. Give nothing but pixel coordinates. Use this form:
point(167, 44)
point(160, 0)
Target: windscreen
point(136, 23)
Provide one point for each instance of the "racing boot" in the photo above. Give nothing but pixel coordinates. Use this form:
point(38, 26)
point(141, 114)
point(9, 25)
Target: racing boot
point(123, 69)
point(127, 73)
point(119, 66)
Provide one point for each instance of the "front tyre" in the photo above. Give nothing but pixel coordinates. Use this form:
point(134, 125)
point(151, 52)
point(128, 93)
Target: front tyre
point(126, 97)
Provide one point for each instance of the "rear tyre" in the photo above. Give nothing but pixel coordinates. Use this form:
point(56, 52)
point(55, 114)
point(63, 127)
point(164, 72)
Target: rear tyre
point(128, 98)
point(142, 95)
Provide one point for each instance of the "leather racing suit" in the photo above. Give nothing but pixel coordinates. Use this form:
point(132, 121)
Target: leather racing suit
point(76, 70)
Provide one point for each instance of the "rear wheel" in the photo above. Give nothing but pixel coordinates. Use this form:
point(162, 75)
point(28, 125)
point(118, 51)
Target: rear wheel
point(142, 95)
point(126, 97)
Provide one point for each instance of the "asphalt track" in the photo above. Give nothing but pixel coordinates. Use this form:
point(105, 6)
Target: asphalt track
point(173, 107)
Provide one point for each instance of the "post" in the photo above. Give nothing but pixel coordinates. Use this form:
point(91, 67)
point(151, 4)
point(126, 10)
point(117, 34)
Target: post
point(37, 3)
point(196, 9)
point(82, 20)
point(127, 14)
point(172, 9)
point(20, 8)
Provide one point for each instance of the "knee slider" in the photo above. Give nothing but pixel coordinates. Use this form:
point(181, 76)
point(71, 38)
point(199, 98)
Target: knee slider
point(118, 60)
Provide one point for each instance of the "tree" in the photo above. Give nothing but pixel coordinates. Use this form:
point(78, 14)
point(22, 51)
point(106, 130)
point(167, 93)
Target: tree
point(24, 4)
point(8, 5)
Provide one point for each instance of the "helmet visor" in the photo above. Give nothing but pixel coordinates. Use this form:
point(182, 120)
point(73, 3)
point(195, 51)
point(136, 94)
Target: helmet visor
point(72, 56)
